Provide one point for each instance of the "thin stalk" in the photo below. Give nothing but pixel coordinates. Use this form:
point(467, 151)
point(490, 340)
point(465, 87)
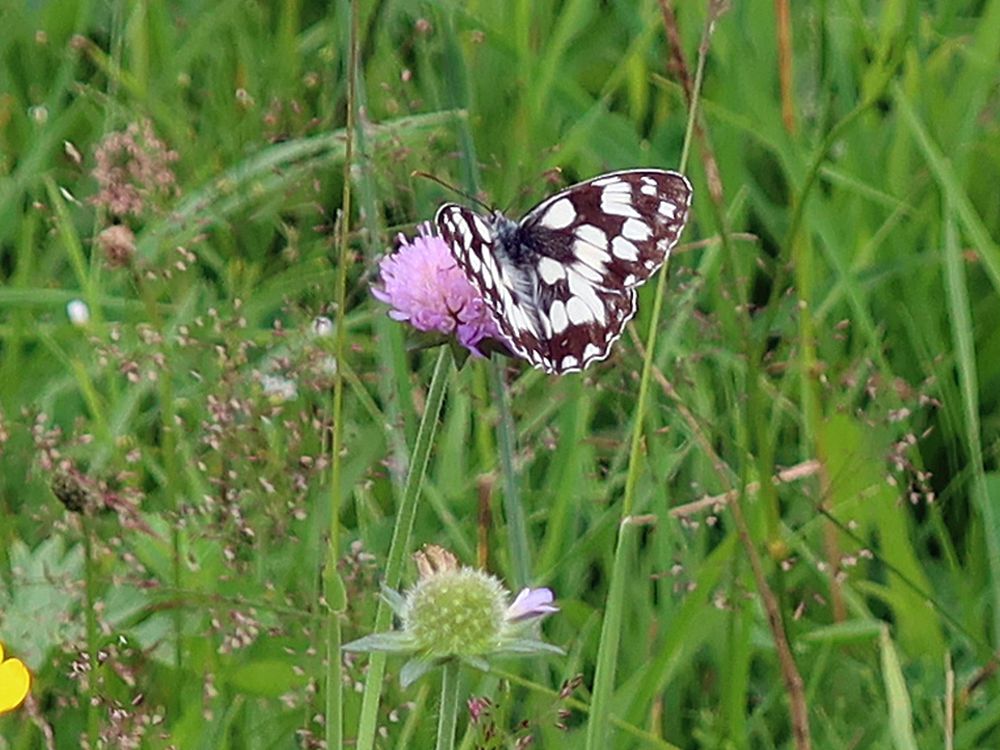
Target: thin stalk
point(333, 588)
point(959, 312)
point(90, 614)
point(448, 718)
point(517, 535)
point(400, 544)
point(607, 650)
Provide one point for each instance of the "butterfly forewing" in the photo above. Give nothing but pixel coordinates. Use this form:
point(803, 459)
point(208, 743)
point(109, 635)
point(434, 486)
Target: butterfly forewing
point(561, 284)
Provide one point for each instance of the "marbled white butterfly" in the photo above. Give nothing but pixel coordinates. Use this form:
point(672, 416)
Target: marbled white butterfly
point(561, 282)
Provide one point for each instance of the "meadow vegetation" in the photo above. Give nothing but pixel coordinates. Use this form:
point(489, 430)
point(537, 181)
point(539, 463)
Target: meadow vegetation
point(771, 519)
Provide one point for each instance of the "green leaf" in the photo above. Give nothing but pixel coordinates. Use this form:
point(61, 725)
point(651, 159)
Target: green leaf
point(414, 669)
point(268, 678)
point(900, 709)
point(43, 609)
point(851, 631)
point(390, 643)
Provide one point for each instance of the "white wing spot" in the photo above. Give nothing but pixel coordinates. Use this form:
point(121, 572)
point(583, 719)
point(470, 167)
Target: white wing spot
point(616, 189)
point(622, 248)
point(588, 233)
point(595, 257)
point(578, 311)
point(590, 351)
point(583, 289)
point(618, 207)
point(649, 181)
point(569, 361)
point(546, 324)
point(557, 314)
point(481, 228)
point(559, 215)
point(551, 270)
point(648, 188)
point(667, 210)
point(629, 280)
point(519, 320)
point(589, 273)
point(634, 229)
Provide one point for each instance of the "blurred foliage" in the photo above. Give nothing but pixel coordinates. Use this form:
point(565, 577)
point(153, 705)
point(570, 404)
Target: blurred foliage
point(847, 317)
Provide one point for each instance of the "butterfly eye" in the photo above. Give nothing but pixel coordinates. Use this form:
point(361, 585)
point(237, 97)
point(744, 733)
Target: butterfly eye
point(561, 283)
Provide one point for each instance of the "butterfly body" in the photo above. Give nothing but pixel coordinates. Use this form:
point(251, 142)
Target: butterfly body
point(561, 282)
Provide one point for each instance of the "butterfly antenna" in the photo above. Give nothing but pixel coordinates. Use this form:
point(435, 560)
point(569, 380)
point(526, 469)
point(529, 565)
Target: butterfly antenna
point(551, 176)
point(452, 188)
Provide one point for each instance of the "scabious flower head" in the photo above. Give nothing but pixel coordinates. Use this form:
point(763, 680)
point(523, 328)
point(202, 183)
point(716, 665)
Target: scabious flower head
point(455, 612)
point(426, 288)
point(459, 612)
point(14, 683)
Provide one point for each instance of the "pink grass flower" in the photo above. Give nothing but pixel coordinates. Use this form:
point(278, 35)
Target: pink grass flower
point(426, 288)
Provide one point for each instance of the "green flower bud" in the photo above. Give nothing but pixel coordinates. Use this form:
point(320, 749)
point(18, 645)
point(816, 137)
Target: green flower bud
point(458, 612)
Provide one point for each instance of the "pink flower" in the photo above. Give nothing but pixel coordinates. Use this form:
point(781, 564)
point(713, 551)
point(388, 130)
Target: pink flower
point(531, 603)
point(425, 287)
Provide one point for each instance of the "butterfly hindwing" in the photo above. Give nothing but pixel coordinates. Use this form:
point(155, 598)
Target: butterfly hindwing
point(561, 283)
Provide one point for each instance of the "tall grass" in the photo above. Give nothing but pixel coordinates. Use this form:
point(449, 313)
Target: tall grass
point(790, 461)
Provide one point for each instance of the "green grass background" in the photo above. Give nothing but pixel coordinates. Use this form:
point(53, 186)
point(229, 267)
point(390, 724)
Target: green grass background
point(835, 300)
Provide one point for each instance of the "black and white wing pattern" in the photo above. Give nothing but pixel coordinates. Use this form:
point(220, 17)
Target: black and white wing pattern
point(561, 282)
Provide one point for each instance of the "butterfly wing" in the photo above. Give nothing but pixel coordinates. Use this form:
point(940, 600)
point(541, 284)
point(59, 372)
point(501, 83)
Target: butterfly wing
point(622, 224)
point(503, 287)
point(562, 286)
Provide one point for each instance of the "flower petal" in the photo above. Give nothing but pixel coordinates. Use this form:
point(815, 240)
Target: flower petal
point(14, 683)
point(531, 603)
point(423, 285)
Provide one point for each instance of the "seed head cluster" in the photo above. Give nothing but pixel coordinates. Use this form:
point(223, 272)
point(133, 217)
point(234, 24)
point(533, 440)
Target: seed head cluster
point(456, 612)
point(132, 169)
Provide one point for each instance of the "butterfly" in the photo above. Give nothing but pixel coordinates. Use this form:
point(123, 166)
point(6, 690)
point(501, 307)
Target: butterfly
point(561, 283)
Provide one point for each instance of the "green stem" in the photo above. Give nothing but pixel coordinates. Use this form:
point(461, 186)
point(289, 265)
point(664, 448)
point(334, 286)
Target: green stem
point(517, 535)
point(960, 315)
point(400, 544)
point(607, 649)
point(333, 587)
point(90, 614)
point(448, 717)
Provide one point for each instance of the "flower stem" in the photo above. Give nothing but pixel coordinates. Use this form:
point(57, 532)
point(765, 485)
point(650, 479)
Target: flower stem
point(448, 717)
point(607, 650)
point(333, 587)
point(507, 442)
point(90, 615)
point(400, 544)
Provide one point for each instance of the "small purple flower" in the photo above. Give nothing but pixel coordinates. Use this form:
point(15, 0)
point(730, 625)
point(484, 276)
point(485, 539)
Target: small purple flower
point(425, 287)
point(531, 603)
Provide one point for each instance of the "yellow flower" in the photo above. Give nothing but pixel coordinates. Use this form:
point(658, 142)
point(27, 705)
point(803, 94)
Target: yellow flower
point(14, 682)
